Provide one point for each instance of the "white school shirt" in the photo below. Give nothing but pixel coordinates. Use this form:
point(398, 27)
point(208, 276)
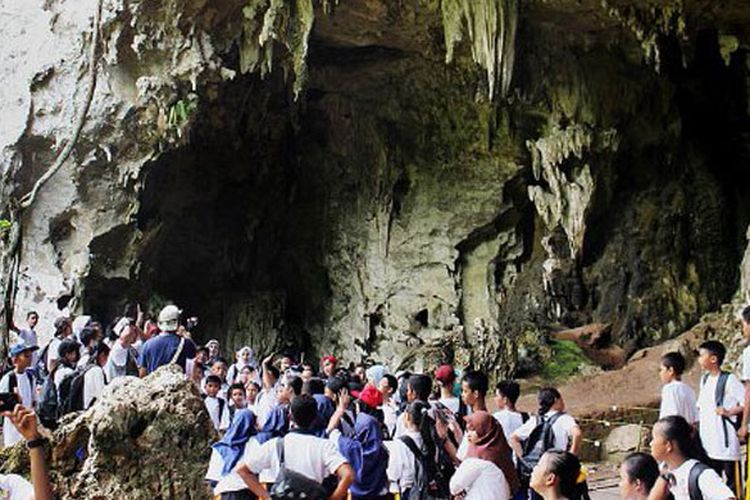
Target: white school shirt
point(60, 374)
point(390, 416)
point(14, 487)
point(711, 425)
point(232, 481)
point(25, 390)
point(264, 404)
point(52, 354)
point(453, 404)
point(313, 457)
point(709, 482)
point(509, 421)
point(481, 480)
point(562, 428)
point(678, 398)
point(93, 385)
point(213, 407)
point(746, 364)
point(401, 462)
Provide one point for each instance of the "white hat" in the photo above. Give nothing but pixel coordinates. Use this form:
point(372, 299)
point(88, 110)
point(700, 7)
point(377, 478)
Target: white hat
point(120, 326)
point(169, 318)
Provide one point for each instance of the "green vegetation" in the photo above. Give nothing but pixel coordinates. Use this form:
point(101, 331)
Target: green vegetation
point(567, 359)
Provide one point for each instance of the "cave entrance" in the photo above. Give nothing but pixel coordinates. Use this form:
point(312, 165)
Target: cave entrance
point(230, 226)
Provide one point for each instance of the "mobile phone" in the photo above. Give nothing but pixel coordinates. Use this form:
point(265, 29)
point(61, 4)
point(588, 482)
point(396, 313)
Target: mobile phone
point(8, 401)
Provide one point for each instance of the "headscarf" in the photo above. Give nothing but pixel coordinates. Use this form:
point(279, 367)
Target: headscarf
point(251, 361)
point(375, 373)
point(325, 411)
point(367, 455)
point(492, 446)
point(232, 445)
point(276, 424)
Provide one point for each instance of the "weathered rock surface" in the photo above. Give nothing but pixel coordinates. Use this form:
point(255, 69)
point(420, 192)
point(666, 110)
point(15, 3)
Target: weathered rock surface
point(145, 438)
point(314, 174)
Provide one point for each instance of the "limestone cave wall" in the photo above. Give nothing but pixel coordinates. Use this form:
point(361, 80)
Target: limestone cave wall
point(316, 175)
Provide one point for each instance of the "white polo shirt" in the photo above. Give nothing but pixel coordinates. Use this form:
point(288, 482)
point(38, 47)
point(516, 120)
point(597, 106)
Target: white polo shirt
point(709, 482)
point(481, 480)
point(25, 389)
point(401, 462)
point(678, 398)
point(562, 429)
point(711, 426)
point(219, 417)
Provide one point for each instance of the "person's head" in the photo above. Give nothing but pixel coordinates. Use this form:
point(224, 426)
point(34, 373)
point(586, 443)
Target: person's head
point(557, 474)
point(388, 386)
point(169, 318)
point(746, 321)
point(304, 411)
point(548, 399)
point(308, 371)
point(371, 397)
point(237, 395)
point(213, 348)
point(32, 318)
point(219, 368)
point(285, 363)
point(244, 355)
point(101, 354)
point(272, 372)
point(88, 337)
point(638, 473)
point(314, 386)
point(333, 386)
point(415, 413)
point(252, 389)
point(375, 374)
point(290, 387)
point(672, 437)
point(474, 387)
point(711, 355)
point(63, 327)
point(328, 364)
point(445, 376)
point(246, 374)
point(201, 355)
point(21, 354)
point(69, 351)
point(672, 367)
point(418, 387)
point(507, 393)
point(212, 386)
point(360, 371)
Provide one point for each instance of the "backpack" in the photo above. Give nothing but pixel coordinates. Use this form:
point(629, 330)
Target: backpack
point(222, 403)
point(427, 475)
point(524, 417)
point(541, 439)
point(47, 408)
point(71, 390)
point(293, 485)
point(41, 363)
point(694, 489)
point(721, 386)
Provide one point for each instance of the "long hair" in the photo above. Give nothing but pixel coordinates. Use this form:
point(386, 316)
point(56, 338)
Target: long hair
point(676, 429)
point(567, 468)
point(546, 398)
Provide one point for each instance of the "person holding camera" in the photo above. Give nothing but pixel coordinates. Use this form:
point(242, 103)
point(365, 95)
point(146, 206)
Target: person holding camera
point(14, 487)
point(17, 386)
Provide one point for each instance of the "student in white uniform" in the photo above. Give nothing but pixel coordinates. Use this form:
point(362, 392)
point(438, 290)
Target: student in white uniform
point(313, 457)
point(95, 379)
point(487, 472)
point(745, 317)
point(507, 393)
point(568, 435)
point(717, 432)
point(69, 352)
point(677, 398)
point(28, 335)
point(20, 382)
point(216, 406)
point(445, 376)
point(401, 459)
point(672, 445)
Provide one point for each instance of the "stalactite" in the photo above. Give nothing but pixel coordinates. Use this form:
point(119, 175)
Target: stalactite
point(491, 28)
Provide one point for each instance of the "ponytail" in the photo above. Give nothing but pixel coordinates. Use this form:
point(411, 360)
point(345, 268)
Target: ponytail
point(571, 480)
point(546, 398)
point(418, 412)
point(676, 429)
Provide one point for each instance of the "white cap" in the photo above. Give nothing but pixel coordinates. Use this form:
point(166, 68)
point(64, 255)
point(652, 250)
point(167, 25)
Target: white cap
point(169, 318)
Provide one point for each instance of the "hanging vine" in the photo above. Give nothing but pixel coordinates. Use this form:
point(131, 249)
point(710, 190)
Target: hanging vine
point(11, 227)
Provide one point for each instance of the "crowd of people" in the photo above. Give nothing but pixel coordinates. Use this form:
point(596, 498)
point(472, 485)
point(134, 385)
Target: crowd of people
point(286, 428)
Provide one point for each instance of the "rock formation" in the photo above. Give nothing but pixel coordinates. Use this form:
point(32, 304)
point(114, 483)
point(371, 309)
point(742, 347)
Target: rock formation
point(144, 439)
point(316, 174)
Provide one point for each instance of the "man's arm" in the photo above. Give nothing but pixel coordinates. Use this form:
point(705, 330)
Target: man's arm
point(660, 491)
point(345, 474)
point(576, 436)
point(24, 420)
point(251, 480)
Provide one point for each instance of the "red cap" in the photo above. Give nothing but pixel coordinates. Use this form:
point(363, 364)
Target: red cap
point(445, 373)
point(330, 358)
point(371, 396)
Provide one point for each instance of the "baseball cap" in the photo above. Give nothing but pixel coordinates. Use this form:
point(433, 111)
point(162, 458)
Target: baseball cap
point(20, 347)
point(445, 373)
point(169, 318)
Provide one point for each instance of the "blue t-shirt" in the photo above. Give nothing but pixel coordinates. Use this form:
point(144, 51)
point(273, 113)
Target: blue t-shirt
point(160, 350)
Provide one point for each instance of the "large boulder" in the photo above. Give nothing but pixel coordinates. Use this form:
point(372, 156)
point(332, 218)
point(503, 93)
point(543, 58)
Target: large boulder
point(625, 439)
point(144, 439)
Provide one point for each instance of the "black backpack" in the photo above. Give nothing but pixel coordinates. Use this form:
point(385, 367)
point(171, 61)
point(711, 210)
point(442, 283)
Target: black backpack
point(47, 408)
point(428, 478)
point(222, 403)
point(293, 485)
point(694, 489)
point(70, 394)
point(41, 363)
point(721, 386)
point(541, 439)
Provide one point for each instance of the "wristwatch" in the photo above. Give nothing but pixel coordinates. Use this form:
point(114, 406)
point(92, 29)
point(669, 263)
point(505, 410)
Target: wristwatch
point(36, 443)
